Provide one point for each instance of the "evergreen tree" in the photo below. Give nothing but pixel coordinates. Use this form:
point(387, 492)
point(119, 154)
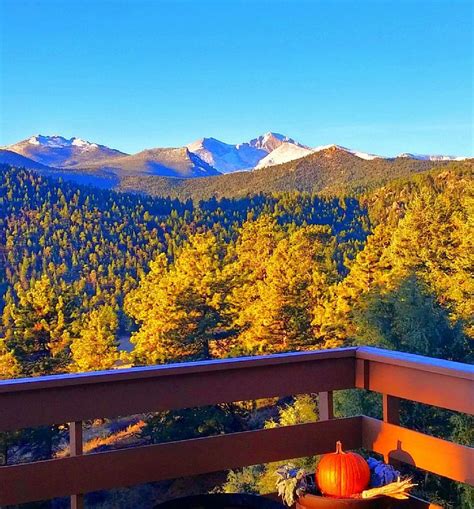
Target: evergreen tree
point(409, 319)
point(332, 318)
point(434, 240)
point(43, 319)
point(277, 316)
point(96, 347)
point(9, 367)
point(179, 305)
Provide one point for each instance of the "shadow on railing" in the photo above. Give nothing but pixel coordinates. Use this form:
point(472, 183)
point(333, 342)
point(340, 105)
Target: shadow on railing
point(76, 398)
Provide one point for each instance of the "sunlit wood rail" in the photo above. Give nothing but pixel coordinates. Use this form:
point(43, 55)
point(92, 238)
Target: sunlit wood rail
point(75, 398)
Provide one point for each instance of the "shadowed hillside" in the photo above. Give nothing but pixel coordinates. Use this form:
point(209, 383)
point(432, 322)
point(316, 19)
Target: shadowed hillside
point(172, 162)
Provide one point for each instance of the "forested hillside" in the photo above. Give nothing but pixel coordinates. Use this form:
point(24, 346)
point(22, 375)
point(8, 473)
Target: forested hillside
point(71, 254)
point(236, 276)
point(332, 170)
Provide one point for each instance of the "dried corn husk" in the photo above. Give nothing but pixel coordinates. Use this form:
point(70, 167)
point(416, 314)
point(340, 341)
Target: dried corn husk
point(397, 489)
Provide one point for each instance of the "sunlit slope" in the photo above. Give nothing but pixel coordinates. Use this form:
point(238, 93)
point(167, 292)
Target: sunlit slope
point(330, 169)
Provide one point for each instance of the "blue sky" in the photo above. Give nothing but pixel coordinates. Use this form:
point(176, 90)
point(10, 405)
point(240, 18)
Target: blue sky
point(380, 76)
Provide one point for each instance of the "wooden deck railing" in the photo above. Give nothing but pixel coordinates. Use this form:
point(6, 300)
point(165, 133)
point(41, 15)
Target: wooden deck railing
point(75, 398)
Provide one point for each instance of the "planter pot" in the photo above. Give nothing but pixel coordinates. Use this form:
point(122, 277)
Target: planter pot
point(309, 501)
point(317, 501)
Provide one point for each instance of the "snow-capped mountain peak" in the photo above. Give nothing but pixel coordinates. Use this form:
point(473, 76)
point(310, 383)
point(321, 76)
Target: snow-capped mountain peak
point(210, 144)
point(270, 141)
point(48, 141)
point(60, 152)
point(228, 158)
point(78, 142)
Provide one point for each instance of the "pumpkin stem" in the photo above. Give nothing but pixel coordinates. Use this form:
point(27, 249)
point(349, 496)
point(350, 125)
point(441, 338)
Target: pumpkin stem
point(339, 448)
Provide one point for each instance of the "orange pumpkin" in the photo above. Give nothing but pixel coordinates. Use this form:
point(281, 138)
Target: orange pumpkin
point(342, 474)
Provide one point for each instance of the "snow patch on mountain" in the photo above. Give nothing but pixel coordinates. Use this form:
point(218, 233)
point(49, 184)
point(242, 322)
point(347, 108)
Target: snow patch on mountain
point(284, 153)
point(224, 157)
point(428, 157)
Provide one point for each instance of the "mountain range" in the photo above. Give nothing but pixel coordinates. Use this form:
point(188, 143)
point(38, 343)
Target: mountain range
point(200, 158)
point(279, 157)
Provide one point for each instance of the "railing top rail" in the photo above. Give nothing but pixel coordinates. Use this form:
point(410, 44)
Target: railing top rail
point(419, 362)
point(184, 368)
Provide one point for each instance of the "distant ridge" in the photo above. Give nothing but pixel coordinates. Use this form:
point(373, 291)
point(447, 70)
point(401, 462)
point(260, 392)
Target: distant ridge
point(60, 152)
point(167, 162)
point(206, 157)
point(329, 170)
point(15, 159)
point(427, 157)
point(79, 155)
point(361, 155)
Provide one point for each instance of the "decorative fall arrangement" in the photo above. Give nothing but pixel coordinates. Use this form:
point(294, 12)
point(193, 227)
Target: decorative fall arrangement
point(341, 475)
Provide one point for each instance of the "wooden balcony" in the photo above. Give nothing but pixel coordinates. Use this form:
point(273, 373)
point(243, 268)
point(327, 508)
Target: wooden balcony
point(76, 398)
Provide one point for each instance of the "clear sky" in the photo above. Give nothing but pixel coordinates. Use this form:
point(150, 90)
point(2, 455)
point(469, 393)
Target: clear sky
point(380, 76)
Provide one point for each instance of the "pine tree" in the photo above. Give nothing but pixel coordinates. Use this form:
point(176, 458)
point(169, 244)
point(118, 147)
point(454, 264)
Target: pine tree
point(96, 348)
point(9, 367)
point(434, 240)
point(43, 320)
point(409, 319)
point(272, 306)
point(179, 305)
point(332, 312)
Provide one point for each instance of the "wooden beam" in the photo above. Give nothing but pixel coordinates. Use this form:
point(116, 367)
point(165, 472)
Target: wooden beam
point(417, 362)
point(431, 381)
point(391, 414)
point(362, 374)
point(75, 438)
point(417, 449)
point(70, 398)
point(112, 469)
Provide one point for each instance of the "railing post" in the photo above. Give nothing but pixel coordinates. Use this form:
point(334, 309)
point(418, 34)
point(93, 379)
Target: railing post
point(362, 380)
point(326, 407)
point(76, 449)
point(391, 415)
point(391, 409)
